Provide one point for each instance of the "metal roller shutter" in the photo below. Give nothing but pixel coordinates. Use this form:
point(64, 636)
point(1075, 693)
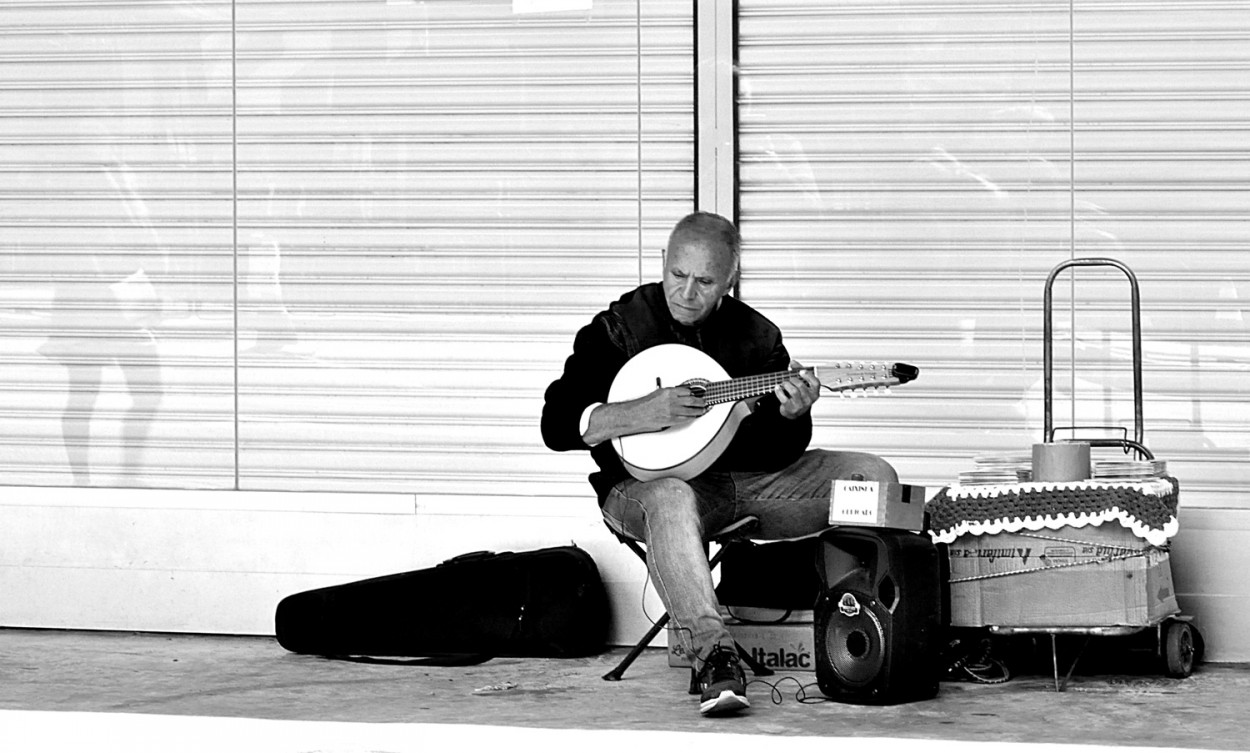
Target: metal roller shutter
point(116, 224)
point(383, 222)
point(910, 172)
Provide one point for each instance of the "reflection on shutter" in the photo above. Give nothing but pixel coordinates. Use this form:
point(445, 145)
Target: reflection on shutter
point(115, 220)
point(431, 198)
point(434, 196)
point(910, 173)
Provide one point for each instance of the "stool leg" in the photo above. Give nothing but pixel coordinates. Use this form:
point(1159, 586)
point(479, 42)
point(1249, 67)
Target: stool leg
point(757, 669)
point(619, 670)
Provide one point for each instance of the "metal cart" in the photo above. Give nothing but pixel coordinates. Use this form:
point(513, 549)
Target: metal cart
point(1177, 643)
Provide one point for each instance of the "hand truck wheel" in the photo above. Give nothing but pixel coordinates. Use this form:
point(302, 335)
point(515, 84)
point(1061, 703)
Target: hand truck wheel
point(1179, 649)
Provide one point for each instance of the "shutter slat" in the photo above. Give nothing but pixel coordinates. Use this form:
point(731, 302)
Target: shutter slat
point(406, 209)
point(911, 172)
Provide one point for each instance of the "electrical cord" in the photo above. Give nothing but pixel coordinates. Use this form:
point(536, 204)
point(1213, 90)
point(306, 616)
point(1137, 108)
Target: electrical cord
point(976, 664)
point(802, 695)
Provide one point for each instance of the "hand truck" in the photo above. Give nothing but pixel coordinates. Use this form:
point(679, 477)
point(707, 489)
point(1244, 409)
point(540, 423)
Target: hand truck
point(1178, 644)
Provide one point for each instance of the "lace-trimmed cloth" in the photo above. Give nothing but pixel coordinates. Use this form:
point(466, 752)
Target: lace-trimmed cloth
point(1147, 508)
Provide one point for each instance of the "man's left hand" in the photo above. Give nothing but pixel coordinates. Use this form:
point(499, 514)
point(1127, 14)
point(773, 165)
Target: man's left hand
point(799, 392)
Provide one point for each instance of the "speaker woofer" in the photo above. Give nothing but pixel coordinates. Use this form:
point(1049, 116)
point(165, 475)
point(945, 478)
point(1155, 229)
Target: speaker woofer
point(854, 639)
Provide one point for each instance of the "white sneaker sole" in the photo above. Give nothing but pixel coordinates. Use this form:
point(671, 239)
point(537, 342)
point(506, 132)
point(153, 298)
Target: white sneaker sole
point(725, 703)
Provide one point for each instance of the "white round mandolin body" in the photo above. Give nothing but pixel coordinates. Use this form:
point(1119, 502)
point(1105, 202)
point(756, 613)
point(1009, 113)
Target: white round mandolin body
point(682, 451)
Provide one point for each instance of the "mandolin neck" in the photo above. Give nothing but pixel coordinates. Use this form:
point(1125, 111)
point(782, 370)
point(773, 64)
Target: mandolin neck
point(856, 377)
point(733, 390)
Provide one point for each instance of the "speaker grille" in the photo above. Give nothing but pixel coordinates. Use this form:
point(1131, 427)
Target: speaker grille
point(855, 640)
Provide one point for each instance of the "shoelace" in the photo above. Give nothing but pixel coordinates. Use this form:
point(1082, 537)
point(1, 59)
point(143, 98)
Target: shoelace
point(723, 664)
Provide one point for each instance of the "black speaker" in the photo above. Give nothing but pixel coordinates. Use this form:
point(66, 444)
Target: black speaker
point(878, 620)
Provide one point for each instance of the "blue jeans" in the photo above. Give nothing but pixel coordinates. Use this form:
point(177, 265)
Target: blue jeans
point(673, 516)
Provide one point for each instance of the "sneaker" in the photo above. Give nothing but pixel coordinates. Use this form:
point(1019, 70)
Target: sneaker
point(722, 683)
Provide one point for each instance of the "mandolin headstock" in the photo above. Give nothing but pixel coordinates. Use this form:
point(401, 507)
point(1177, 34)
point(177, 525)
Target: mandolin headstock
point(856, 378)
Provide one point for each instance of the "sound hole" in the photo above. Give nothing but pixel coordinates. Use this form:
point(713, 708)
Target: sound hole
point(698, 387)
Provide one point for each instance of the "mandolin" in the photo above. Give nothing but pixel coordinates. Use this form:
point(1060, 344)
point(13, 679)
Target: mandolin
point(686, 450)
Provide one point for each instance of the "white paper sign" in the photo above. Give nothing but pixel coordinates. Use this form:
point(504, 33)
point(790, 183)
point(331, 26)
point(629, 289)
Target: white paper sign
point(854, 501)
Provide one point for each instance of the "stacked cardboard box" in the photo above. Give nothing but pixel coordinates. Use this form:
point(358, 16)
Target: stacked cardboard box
point(877, 504)
point(778, 639)
point(1091, 576)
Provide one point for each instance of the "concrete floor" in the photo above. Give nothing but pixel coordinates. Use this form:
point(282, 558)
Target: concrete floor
point(90, 678)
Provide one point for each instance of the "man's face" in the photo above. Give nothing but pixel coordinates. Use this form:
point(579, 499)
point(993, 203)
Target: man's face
point(697, 274)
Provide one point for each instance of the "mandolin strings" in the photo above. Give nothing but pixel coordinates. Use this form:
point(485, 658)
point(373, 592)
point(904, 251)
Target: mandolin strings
point(733, 390)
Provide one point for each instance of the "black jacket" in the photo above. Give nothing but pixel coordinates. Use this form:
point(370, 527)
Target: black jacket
point(740, 339)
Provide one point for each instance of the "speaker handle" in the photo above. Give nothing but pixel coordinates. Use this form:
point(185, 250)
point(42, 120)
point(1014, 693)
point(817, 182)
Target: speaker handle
point(867, 553)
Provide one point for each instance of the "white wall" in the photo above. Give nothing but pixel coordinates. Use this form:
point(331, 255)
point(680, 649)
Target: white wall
point(1209, 562)
point(219, 562)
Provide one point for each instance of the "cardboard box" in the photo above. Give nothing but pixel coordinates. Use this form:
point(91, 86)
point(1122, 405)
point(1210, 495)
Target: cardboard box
point(877, 504)
point(788, 645)
point(1094, 576)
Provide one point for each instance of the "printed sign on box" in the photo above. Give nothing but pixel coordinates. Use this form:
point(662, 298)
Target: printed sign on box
point(778, 639)
point(1096, 576)
point(876, 504)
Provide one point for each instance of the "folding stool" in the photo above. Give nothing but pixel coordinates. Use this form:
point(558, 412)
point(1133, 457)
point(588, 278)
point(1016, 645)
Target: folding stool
point(739, 530)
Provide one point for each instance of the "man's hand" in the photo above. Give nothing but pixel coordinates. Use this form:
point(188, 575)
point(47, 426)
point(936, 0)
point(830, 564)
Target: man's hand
point(798, 393)
point(669, 406)
point(665, 407)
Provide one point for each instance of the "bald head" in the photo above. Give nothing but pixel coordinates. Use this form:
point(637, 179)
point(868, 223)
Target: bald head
point(700, 266)
point(711, 230)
